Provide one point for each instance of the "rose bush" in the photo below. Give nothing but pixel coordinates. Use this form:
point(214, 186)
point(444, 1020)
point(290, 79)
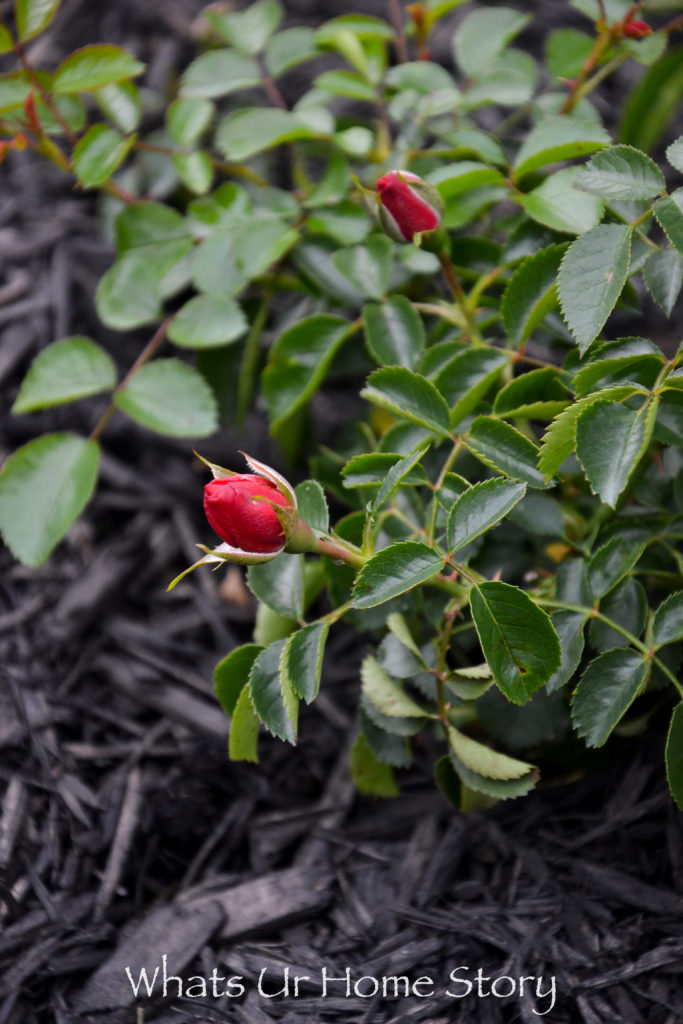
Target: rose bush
point(507, 512)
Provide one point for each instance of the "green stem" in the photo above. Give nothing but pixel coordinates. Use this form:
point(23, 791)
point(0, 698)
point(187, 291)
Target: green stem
point(340, 554)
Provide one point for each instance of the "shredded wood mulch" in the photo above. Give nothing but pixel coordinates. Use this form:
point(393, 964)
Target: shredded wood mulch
point(127, 839)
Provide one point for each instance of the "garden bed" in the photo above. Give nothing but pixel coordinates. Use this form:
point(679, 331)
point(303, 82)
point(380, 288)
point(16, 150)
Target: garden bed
point(127, 835)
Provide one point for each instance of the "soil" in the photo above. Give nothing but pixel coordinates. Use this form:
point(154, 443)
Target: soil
point(126, 835)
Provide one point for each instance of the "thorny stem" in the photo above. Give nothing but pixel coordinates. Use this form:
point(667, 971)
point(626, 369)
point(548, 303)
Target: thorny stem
point(148, 351)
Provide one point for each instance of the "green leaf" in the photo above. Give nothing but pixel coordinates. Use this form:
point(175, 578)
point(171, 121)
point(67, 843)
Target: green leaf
point(346, 83)
point(566, 51)
point(500, 789)
point(346, 223)
point(485, 761)
point(518, 640)
point(556, 204)
point(569, 628)
point(171, 398)
point(483, 34)
point(128, 294)
point(389, 748)
point(250, 130)
point(394, 332)
point(299, 361)
point(393, 571)
point(631, 369)
point(399, 627)
point(652, 104)
point(674, 154)
point(668, 621)
point(467, 377)
point(448, 781)
point(611, 563)
point(187, 118)
point(395, 477)
point(249, 29)
point(243, 740)
point(289, 48)
point(480, 508)
point(531, 292)
point(663, 277)
point(156, 233)
point(33, 16)
point(302, 659)
point(386, 695)
point(99, 153)
point(207, 321)
point(558, 138)
point(367, 267)
point(65, 371)
point(453, 179)
point(120, 102)
point(279, 584)
point(231, 675)
point(674, 756)
point(363, 26)
point(267, 694)
point(195, 170)
point(371, 776)
point(627, 607)
point(14, 88)
point(510, 81)
point(408, 396)
point(559, 440)
point(93, 66)
point(371, 469)
point(313, 505)
point(500, 446)
point(669, 213)
point(538, 394)
point(213, 74)
point(44, 487)
point(591, 278)
point(605, 692)
point(610, 441)
point(6, 40)
point(621, 172)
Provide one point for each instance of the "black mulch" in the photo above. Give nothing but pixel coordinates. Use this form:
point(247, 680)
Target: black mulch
point(126, 835)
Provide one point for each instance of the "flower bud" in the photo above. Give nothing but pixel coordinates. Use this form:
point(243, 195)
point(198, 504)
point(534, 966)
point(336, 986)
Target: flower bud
point(408, 206)
point(254, 515)
point(240, 510)
point(633, 29)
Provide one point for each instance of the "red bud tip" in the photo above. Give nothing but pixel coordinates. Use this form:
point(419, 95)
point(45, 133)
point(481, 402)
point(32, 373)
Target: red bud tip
point(239, 509)
point(408, 206)
point(633, 29)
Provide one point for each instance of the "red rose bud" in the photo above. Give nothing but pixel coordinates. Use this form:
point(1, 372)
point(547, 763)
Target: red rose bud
point(240, 510)
point(408, 206)
point(636, 29)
